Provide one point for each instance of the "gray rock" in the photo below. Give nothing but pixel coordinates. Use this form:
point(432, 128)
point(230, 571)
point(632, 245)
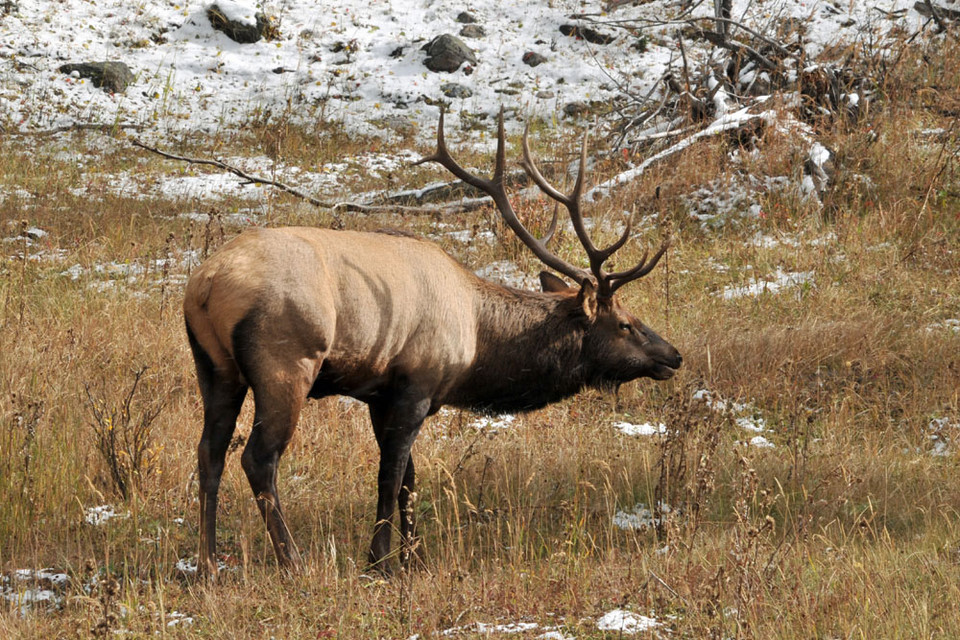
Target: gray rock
point(465, 17)
point(532, 58)
point(241, 32)
point(110, 75)
point(473, 31)
point(576, 109)
point(447, 53)
point(454, 90)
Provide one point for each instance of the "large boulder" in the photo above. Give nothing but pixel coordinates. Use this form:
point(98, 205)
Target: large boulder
point(110, 75)
point(447, 53)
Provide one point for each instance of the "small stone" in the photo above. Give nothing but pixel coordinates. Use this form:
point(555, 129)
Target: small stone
point(576, 109)
point(473, 31)
point(454, 90)
point(546, 95)
point(111, 76)
point(447, 53)
point(532, 58)
point(465, 17)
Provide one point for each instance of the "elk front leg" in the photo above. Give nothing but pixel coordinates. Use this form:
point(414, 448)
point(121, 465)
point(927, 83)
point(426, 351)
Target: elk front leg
point(409, 549)
point(396, 424)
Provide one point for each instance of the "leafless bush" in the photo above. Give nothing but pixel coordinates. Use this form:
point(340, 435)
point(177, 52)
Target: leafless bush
point(124, 433)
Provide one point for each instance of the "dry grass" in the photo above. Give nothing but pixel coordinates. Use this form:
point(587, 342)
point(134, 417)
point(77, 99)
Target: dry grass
point(847, 527)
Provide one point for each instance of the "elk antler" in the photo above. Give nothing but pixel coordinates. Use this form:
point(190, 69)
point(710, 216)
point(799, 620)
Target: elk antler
point(607, 283)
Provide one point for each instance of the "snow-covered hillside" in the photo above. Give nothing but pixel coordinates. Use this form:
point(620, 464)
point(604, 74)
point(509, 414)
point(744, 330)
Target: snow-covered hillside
point(361, 61)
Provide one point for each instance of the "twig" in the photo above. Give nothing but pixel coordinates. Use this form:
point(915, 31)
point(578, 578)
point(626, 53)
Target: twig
point(669, 588)
point(937, 12)
point(756, 34)
point(739, 48)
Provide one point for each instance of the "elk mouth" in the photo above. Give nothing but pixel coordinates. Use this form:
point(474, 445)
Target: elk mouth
point(665, 368)
point(662, 372)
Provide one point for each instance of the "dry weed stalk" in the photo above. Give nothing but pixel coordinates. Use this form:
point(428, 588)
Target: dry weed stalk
point(686, 469)
point(21, 436)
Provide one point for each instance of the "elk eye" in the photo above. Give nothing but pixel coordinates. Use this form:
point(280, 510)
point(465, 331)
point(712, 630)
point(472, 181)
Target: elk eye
point(626, 326)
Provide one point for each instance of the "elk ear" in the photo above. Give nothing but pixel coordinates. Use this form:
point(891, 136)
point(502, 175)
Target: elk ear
point(588, 299)
point(552, 284)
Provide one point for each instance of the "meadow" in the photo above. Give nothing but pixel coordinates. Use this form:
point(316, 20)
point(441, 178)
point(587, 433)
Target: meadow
point(802, 484)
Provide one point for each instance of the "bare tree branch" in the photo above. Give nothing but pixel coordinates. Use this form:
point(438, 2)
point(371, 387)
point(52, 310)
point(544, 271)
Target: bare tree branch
point(466, 204)
point(80, 126)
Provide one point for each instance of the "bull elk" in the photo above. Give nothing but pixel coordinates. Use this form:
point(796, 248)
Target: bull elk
point(393, 321)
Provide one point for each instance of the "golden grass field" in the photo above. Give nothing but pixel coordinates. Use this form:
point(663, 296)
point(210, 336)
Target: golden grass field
point(848, 526)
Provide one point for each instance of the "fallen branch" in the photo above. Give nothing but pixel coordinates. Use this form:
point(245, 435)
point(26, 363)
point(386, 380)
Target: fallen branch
point(936, 11)
point(724, 123)
point(80, 126)
point(463, 206)
point(466, 204)
point(669, 133)
point(220, 164)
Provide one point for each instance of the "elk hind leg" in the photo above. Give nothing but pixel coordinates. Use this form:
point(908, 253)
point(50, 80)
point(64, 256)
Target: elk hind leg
point(277, 411)
point(223, 397)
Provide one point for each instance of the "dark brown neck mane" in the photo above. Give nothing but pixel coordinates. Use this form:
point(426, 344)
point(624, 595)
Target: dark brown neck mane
point(528, 351)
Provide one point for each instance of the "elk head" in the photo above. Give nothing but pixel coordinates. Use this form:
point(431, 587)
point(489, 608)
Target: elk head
point(617, 346)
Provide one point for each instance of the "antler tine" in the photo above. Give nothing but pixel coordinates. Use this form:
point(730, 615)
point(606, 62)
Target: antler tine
point(442, 157)
point(617, 280)
point(531, 168)
point(497, 191)
point(572, 203)
point(622, 240)
point(548, 236)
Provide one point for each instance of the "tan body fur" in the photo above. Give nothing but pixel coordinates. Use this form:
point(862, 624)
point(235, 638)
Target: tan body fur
point(323, 305)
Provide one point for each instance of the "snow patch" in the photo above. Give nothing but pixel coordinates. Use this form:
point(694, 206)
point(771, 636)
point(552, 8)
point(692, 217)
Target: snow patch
point(507, 273)
point(99, 516)
point(493, 423)
point(950, 324)
point(640, 517)
point(645, 429)
point(778, 281)
point(175, 619)
point(626, 622)
point(27, 589)
point(941, 433)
